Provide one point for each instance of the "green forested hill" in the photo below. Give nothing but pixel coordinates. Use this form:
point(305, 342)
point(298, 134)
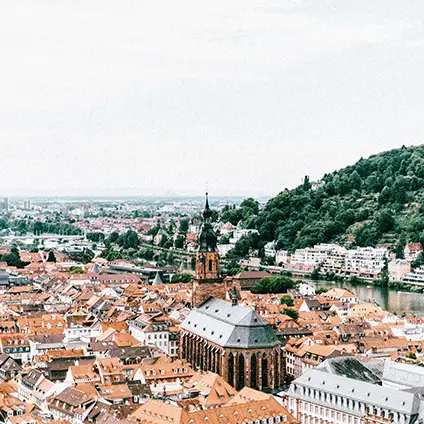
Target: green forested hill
point(376, 200)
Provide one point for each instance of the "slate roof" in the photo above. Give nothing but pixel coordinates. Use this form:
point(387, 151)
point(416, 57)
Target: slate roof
point(130, 352)
point(230, 326)
point(249, 275)
point(73, 396)
point(157, 281)
point(32, 377)
point(404, 374)
point(7, 363)
point(350, 367)
point(400, 401)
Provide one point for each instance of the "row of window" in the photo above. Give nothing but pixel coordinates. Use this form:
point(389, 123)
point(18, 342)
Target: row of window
point(162, 372)
point(340, 401)
point(16, 349)
point(271, 420)
point(157, 336)
point(328, 413)
point(79, 331)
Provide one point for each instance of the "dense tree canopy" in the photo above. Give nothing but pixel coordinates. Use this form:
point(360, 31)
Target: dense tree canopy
point(292, 313)
point(13, 258)
point(128, 240)
point(48, 227)
point(274, 285)
point(96, 236)
point(181, 278)
point(184, 226)
point(373, 201)
point(287, 300)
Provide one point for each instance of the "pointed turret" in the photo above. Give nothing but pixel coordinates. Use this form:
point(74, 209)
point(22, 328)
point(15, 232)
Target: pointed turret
point(157, 281)
point(207, 212)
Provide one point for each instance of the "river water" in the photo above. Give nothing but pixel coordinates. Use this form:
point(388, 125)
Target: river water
point(390, 300)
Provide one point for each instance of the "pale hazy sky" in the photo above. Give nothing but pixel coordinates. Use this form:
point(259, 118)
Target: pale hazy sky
point(156, 96)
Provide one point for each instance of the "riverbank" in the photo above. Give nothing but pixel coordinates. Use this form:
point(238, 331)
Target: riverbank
point(392, 300)
point(393, 285)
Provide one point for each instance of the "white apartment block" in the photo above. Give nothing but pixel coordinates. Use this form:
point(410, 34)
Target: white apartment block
point(335, 257)
point(239, 233)
point(308, 256)
point(271, 249)
point(415, 277)
point(365, 261)
point(223, 249)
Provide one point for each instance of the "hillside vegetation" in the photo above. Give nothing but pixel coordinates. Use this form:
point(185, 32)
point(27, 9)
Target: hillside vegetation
point(377, 200)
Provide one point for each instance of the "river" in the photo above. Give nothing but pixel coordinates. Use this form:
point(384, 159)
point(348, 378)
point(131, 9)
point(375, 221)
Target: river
point(390, 300)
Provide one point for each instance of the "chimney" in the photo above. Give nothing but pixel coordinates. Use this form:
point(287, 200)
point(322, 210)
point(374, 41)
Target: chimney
point(234, 297)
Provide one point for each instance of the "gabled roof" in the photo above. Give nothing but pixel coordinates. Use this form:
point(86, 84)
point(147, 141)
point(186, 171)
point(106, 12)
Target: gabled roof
point(252, 275)
point(414, 246)
point(214, 388)
point(231, 326)
point(73, 396)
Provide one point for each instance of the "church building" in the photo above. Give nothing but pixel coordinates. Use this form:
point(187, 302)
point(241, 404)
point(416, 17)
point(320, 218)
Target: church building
point(223, 337)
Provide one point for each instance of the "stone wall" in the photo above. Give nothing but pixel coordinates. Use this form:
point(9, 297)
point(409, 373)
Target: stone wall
point(203, 290)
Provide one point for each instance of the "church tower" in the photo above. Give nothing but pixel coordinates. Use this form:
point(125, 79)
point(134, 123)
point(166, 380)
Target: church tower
point(208, 281)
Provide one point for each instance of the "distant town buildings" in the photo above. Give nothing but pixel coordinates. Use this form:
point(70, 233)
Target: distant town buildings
point(27, 204)
point(4, 204)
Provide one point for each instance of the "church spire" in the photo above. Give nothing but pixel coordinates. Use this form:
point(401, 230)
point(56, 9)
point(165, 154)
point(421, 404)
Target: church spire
point(207, 239)
point(207, 212)
point(208, 280)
